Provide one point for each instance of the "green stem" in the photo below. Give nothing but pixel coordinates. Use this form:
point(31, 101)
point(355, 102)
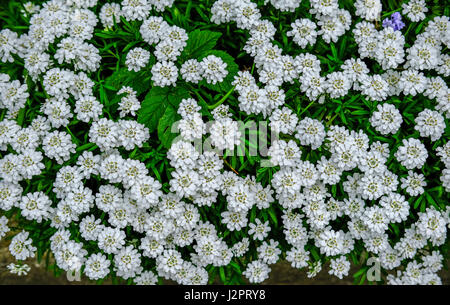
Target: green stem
point(332, 119)
point(223, 99)
point(310, 104)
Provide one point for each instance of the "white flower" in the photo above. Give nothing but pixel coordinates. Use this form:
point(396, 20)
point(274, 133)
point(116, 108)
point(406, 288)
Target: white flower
point(355, 69)
point(412, 154)
point(127, 262)
point(423, 56)
point(132, 134)
point(97, 266)
point(329, 172)
point(109, 13)
point(58, 145)
point(24, 139)
point(82, 86)
point(57, 82)
point(413, 183)
point(331, 28)
point(346, 155)
point(313, 85)
point(225, 134)
point(146, 278)
point(374, 87)
point(146, 192)
point(444, 66)
point(284, 153)
point(338, 84)
point(444, 153)
point(90, 227)
point(167, 50)
point(234, 220)
point(375, 219)
point(303, 32)
point(21, 246)
point(372, 163)
point(431, 224)
point(257, 271)
point(35, 206)
point(87, 108)
point(259, 230)
point(314, 269)
point(192, 127)
point(70, 256)
point(330, 243)
point(339, 267)
point(395, 207)
point(104, 133)
point(320, 7)
point(129, 103)
point(269, 252)
point(13, 95)
point(376, 243)
point(214, 69)
point(436, 87)
point(151, 247)
point(283, 120)
point(222, 11)
point(192, 71)
point(387, 119)
point(263, 28)
point(36, 62)
point(252, 99)
point(169, 261)
point(135, 9)
point(8, 41)
point(297, 257)
point(177, 35)
point(412, 82)
point(164, 74)
point(184, 182)
point(445, 179)
point(152, 29)
point(430, 123)
point(137, 58)
point(371, 187)
point(3, 226)
point(368, 9)
point(415, 10)
point(246, 14)
point(111, 240)
point(19, 269)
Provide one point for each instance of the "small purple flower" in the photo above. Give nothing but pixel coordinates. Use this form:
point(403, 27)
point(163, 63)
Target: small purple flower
point(394, 22)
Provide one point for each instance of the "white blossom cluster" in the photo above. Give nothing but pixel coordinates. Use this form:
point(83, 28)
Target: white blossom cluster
point(122, 205)
point(169, 43)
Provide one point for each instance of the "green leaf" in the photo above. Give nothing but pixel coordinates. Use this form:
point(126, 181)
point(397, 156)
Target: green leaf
point(139, 81)
point(199, 42)
point(165, 124)
point(222, 275)
point(273, 216)
point(155, 103)
point(232, 68)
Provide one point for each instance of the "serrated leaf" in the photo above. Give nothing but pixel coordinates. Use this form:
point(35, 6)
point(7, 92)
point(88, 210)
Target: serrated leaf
point(165, 124)
point(199, 42)
point(232, 69)
point(155, 103)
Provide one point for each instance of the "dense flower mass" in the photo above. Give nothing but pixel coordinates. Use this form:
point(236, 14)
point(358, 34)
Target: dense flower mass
point(141, 146)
